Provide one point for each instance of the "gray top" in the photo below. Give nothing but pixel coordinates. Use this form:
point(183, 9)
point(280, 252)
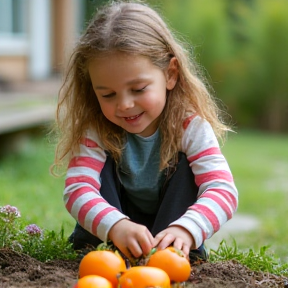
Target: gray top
point(139, 171)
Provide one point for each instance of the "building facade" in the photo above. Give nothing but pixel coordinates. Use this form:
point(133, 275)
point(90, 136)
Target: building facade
point(36, 37)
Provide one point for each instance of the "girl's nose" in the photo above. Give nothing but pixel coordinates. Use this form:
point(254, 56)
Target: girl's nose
point(125, 102)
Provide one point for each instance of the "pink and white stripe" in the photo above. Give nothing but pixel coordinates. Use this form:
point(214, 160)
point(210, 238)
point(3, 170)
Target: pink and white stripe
point(217, 196)
point(81, 195)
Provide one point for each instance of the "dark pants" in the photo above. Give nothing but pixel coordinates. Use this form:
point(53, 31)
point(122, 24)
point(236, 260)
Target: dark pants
point(178, 193)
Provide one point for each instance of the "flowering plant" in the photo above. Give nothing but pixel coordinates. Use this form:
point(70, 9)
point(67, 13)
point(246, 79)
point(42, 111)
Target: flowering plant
point(30, 239)
point(9, 213)
point(8, 216)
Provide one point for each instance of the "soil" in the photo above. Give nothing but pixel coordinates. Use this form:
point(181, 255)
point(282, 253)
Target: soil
point(19, 270)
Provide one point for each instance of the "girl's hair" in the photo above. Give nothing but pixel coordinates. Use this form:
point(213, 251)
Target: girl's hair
point(136, 29)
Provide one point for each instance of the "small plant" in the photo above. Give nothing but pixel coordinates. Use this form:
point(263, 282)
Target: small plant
point(261, 261)
point(29, 239)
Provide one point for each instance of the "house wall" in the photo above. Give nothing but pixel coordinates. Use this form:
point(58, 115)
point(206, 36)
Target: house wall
point(43, 50)
point(64, 29)
point(13, 68)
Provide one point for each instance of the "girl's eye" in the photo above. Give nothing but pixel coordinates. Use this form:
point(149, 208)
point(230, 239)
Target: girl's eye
point(108, 95)
point(139, 90)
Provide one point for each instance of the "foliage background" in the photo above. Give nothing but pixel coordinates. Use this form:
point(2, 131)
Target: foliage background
point(242, 45)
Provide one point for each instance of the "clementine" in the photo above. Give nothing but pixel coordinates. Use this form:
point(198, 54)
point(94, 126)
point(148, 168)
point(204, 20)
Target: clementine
point(173, 262)
point(93, 281)
point(143, 276)
point(102, 263)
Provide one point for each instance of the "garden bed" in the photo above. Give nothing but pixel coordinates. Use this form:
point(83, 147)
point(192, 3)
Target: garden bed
point(20, 270)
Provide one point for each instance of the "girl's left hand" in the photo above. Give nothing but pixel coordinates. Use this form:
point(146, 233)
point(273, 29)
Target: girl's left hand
point(176, 235)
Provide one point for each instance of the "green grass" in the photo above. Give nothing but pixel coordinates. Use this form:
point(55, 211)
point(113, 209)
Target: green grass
point(262, 260)
point(26, 183)
point(259, 163)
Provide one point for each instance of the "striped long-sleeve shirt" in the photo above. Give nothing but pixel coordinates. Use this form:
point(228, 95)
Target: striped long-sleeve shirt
point(217, 197)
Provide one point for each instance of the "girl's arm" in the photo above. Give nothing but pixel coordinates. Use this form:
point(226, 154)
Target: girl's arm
point(217, 196)
point(81, 195)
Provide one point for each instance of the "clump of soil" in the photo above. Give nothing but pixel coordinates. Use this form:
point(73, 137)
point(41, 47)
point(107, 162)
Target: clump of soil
point(19, 270)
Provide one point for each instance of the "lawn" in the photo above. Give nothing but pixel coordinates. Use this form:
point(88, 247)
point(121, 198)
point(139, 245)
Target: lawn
point(258, 162)
point(25, 182)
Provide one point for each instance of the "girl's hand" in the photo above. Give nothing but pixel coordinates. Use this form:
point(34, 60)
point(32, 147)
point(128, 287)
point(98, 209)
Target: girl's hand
point(131, 239)
point(176, 235)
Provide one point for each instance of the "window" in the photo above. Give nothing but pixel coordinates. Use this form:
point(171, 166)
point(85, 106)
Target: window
point(13, 27)
point(13, 17)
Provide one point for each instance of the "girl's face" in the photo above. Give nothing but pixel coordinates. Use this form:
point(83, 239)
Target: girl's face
point(131, 90)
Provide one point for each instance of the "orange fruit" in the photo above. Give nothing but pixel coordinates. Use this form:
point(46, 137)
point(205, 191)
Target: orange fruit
point(93, 281)
point(173, 262)
point(102, 263)
point(143, 276)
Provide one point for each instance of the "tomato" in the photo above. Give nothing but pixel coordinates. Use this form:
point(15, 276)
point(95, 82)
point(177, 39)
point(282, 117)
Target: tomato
point(102, 263)
point(93, 281)
point(143, 276)
point(173, 262)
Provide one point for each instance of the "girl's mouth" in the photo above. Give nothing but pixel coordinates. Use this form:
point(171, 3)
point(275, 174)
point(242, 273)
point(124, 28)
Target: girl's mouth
point(131, 118)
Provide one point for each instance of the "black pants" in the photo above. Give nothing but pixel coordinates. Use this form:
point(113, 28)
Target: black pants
point(178, 193)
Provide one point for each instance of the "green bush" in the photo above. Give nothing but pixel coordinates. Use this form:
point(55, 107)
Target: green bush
point(267, 63)
point(242, 47)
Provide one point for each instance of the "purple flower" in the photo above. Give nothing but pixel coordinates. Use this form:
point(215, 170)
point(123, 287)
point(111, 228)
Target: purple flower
point(33, 230)
point(9, 213)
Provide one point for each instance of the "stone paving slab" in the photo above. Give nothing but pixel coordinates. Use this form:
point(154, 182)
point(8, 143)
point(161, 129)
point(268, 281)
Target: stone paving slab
point(239, 224)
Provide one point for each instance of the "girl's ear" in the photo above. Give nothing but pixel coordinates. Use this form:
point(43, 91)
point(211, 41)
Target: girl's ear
point(172, 74)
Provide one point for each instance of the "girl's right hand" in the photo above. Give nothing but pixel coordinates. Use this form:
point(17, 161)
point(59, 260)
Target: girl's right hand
point(131, 239)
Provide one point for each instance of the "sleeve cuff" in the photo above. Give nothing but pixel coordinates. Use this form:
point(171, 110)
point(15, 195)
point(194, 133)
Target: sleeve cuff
point(193, 228)
point(107, 223)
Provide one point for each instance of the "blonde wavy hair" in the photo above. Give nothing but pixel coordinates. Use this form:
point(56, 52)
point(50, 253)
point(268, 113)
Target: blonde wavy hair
point(132, 28)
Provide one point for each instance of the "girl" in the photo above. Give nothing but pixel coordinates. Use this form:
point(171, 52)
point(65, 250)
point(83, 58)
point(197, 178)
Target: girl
point(139, 131)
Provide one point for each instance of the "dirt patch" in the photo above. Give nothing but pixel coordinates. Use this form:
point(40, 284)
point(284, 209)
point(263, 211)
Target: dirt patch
point(18, 270)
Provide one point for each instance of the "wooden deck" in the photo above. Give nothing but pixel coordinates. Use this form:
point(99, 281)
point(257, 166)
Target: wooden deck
point(28, 105)
point(16, 116)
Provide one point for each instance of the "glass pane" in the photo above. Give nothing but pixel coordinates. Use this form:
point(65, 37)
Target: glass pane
point(13, 16)
point(6, 16)
point(19, 16)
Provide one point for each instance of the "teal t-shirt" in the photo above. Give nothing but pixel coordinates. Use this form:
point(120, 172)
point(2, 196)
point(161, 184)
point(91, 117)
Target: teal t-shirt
point(139, 171)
